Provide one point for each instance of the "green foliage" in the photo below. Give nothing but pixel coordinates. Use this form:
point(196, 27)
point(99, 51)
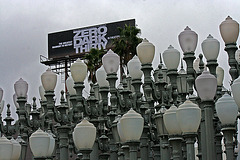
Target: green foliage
point(125, 45)
point(93, 59)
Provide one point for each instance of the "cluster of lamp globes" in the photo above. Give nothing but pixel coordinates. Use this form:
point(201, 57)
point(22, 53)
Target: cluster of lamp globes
point(182, 120)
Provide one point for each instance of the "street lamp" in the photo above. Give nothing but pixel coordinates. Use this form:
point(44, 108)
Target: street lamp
point(6, 148)
point(131, 128)
point(236, 91)
point(206, 85)
point(227, 112)
point(16, 152)
point(210, 48)
point(172, 125)
point(42, 145)
point(189, 118)
point(84, 135)
point(229, 30)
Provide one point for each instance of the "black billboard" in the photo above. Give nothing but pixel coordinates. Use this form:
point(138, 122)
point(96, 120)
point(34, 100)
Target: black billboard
point(81, 40)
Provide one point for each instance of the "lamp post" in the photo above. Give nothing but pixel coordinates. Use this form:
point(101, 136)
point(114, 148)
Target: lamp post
point(42, 145)
point(174, 131)
point(227, 112)
point(84, 135)
point(229, 30)
point(206, 85)
point(131, 130)
point(189, 118)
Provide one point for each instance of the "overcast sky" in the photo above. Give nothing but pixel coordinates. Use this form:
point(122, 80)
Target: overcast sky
point(25, 24)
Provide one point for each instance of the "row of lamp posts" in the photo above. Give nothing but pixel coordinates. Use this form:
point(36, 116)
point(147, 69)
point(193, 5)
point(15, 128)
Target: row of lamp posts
point(159, 123)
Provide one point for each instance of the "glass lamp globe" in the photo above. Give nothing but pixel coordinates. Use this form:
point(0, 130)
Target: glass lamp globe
point(131, 126)
point(171, 58)
point(116, 136)
point(189, 117)
point(188, 40)
point(21, 88)
point(49, 80)
point(1, 106)
point(101, 77)
point(206, 85)
point(40, 143)
point(236, 91)
point(6, 148)
point(84, 135)
point(145, 51)
point(15, 100)
point(42, 92)
point(171, 122)
point(78, 71)
point(237, 56)
point(111, 62)
point(220, 75)
point(229, 30)
point(70, 86)
point(120, 132)
point(196, 65)
point(134, 68)
point(16, 150)
point(51, 145)
point(227, 109)
point(210, 48)
point(1, 94)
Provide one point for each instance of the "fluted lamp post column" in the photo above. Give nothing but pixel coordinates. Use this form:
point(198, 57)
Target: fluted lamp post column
point(189, 118)
point(172, 125)
point(227, 112)
point(206, 85)
point(131, 130)
point(42, 145)
point(163, 134)
point(171, 58)
point(229, 30)
point(84, 136)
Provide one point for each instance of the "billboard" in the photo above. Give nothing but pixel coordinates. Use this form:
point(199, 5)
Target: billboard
point(81, 40)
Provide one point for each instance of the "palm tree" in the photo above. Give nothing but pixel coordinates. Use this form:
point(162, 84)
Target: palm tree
point(125, 45)
point(93, 59)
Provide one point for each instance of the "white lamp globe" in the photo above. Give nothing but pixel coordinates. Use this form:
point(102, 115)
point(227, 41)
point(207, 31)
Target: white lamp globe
point(134, 68)
point(21, 88)
point(189, 117)
point(84, 135)
point(236, 91)
point(171, 122)
point(161, 128)
point(1, 106)
point(78, 71)
point(49, 80)
point(237, 56)
point(171, 58)
point(6, 148)
point(220, 75)
point(206, 85)
point(188, 40)
point(101, 77)
point(131, 126)
point(229, 30)
point(111, 62)
point(227, 110)
point(39, 143)
point(70, 86)
point(145, 51)
point(120, 132)
point(210, 48)
point(42, 93)
point(16, 150)
point(51, 145)
point(1, 94)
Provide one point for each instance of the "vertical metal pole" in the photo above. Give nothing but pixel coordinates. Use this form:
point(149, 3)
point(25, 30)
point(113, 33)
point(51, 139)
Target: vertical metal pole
point(176, 143)
point(63, 142)
point(133, 148)
point(144, 144)
point(164, 147)
point(228, 133)
point(210, 141)
point(190, 140)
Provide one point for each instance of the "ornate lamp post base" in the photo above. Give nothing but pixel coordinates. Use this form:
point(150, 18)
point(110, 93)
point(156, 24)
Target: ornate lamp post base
point(228, 133)
point(133, 148)
point(85, 154)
